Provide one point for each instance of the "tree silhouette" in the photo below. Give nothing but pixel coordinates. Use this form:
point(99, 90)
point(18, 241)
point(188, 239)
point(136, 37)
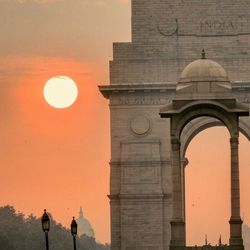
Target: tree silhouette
point(20, 233)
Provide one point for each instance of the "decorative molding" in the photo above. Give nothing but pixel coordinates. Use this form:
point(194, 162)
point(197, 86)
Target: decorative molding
point(140, 125)
point(131, 100)
point(157, 94)
point(140, 197)
point(140, 163)
point(243, 99)
point(147, 88)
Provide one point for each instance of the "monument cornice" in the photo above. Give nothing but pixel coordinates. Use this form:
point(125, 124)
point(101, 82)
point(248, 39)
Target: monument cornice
point(139, 163)
point(106, 90)
point(169, 87)
point(229, 105)
point(163, 196)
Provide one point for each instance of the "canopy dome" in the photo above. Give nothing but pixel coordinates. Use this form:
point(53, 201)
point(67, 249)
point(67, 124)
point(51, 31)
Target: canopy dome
point(203, 75)
point(203, 70)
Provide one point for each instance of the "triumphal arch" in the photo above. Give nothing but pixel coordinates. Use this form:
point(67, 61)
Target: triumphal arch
point(162, 93)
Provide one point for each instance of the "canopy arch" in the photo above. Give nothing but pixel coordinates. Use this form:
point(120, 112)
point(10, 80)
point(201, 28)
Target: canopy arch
point(199, 124)
point(203, 90)
point(200, 109)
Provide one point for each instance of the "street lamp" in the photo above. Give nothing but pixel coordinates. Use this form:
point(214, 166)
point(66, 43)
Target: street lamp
point(74, 231)
point(45, 225)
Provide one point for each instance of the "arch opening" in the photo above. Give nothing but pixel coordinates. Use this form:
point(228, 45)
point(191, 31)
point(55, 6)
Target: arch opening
point(197, 125)
point(209, 197)
point(197, 111)
point(207, 187)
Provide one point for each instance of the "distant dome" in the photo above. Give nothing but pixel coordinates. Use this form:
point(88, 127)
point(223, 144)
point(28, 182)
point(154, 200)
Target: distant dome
point(203, 75)
point(83, 226)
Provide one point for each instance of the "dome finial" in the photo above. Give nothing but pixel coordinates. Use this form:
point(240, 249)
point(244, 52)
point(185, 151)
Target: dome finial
point(203, 54)
point(80, 213)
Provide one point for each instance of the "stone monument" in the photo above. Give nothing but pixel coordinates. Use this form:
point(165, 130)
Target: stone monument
point(166, 37)
point(204, 90)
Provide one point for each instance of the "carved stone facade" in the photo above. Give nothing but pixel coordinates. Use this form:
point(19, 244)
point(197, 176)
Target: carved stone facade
point(143, 76)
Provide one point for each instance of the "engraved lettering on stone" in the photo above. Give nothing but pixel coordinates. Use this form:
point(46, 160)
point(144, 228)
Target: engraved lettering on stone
point(125, 100)
point(217, 26)
point(205, 28)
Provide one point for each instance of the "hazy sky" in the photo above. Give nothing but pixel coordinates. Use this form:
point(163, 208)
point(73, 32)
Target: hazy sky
point(51, 158)
point(58, 159)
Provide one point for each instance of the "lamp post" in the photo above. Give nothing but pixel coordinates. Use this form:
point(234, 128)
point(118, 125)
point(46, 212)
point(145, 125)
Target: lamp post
point(46, 226)
point(74, 231)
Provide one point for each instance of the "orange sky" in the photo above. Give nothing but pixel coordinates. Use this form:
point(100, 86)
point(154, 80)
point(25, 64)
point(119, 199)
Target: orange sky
point(58, 158)
point(208, 185)
point(49, 156)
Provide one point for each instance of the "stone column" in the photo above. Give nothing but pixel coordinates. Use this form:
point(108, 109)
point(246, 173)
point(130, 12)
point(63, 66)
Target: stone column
point(235, 220)
point(115, 222)
point(177, 223)
point(184, 163)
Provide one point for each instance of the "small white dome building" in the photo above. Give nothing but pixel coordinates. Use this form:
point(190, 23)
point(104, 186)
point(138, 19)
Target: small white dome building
point(84, 226)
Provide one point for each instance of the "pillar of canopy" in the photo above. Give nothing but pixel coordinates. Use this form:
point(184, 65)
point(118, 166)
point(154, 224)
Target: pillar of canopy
point(203, 90)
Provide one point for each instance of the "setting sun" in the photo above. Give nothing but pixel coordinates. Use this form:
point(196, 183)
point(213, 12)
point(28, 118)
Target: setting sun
point(60, 92)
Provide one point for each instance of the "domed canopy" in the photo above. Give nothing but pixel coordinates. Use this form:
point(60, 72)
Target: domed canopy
point(203, 76)
point(203, 70)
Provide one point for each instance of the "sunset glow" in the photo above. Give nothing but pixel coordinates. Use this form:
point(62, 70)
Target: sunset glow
point(59, 159)
point(60, 92)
